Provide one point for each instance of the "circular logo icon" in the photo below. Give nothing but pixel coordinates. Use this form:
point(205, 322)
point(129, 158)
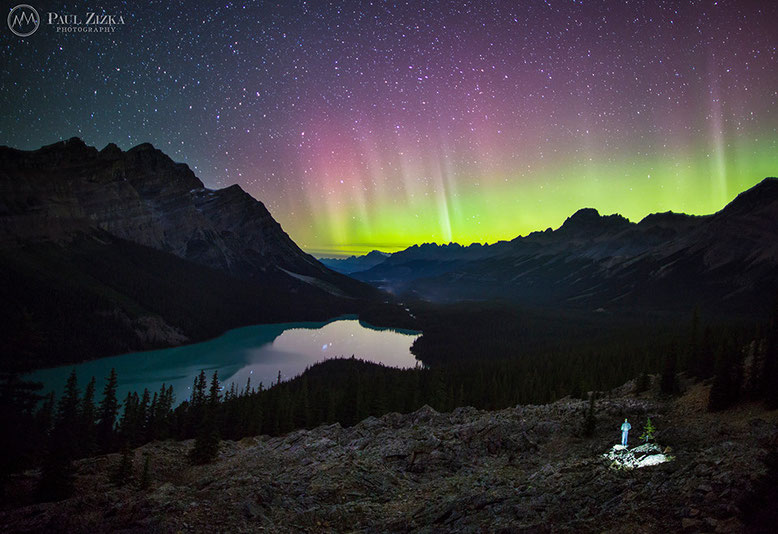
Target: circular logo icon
point(23, 20)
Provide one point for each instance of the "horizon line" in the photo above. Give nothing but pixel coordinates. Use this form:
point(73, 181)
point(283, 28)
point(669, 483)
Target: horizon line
point(361, 249)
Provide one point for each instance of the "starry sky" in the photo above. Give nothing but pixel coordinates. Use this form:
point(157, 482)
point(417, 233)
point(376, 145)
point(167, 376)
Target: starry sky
point(366, 125)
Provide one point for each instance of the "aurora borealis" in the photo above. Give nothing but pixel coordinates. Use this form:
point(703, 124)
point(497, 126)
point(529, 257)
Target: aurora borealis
point(367, 125)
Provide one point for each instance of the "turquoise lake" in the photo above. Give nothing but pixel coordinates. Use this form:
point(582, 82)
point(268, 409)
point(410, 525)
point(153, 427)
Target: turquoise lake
point(258, 352)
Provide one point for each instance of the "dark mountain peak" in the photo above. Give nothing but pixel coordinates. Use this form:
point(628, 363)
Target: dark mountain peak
point(589, 222)
point(234, 190)
point(147, 152)
point(142, 147)
point(66, 153)
point(373, 254)
point(767, 186)
point(667, 219)
point(354, 264)
point(538, 234)
point(74, 145)
point(376, 254)
point(584, 217)
point(668, 225)
point(238, 197)
point(111, 152)
point(149, 169)
point(585, 214)
point(761, 196)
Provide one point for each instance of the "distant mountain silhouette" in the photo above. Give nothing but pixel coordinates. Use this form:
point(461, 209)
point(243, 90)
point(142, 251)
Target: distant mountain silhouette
point(355, 263)
point(724, 261)
point(110, 251)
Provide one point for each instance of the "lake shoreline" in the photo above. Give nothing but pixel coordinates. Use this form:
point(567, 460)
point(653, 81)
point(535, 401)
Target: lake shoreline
point(256, 352)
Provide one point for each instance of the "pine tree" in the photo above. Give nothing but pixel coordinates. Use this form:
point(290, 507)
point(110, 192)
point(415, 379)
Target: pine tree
point(198, 389)
point(248, 389)
point(438, 398)
point(152, 423)
point(302, 408)
point(122, 474)
point(19, 419)
point(283, 408)
point(109, 410)
point(197, 404)
point(165, 407)
point(648, 432)
point(67, 409)
point(67, 422)
point(145, 478)
point(206, 445)
point(87, 427)
point(57, 472)
point(45, 414)
point(254, 410)
point(143, 416)
point(214, 395)
point(128, 425)
point(44, 419)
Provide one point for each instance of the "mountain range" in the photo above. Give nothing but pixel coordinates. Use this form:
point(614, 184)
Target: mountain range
point(725, 261)
point(354, 264)
point(107, 251)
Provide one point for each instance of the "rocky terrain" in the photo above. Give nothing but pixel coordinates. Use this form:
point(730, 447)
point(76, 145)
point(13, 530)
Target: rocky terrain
point(522, 469)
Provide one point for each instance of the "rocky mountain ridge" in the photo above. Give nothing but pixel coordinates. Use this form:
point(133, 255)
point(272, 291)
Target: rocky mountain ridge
point(143, 196)
point(728, 260)
point(105, 252)
point(355, 263)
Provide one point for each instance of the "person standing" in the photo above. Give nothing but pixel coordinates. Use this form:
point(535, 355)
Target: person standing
point(625, 428)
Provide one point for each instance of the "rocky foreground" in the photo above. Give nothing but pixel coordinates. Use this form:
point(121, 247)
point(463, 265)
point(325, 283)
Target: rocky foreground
point(522, 469)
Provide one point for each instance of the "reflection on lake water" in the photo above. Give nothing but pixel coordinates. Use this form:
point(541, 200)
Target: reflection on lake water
point(257, 352)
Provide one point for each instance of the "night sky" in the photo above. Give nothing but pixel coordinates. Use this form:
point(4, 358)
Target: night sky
point(368, 125)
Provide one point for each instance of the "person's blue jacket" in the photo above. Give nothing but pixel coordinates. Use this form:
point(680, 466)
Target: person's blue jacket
point(626, 427)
